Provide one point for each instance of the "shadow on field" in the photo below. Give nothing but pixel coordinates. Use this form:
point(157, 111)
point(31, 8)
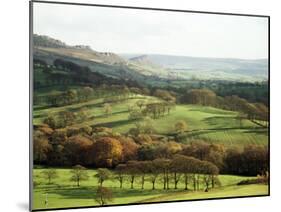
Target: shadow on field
point(41, 107)
point(211, 111)
point(219, 121)
point(89, 193)
point(115, 123)
point(261, 131)
point(114, 113)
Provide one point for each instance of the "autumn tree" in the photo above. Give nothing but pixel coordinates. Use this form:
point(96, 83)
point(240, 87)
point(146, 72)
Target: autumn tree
point(180, 126)
point(46, 130)
point(129, 148)
point(78, 174)
point(41, 147)
point(197, 149)
point(168, 149)
point(233, 160)
point(165, 95)
point(201, 97)
point(255, 160)
point(66, 118)
point(59, 136)
point(107, 152)
point(76, 150)
point(51, 121)
point(147, 152)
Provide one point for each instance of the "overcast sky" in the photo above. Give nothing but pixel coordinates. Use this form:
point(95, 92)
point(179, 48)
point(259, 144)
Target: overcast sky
point(154, 32)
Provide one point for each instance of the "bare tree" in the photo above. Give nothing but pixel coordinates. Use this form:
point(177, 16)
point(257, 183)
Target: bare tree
point(102, 175)
point(103, 195)
point(50, 174)
point(79, 173)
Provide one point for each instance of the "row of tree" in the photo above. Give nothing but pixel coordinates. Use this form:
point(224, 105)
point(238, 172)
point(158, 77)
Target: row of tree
point(168, 172)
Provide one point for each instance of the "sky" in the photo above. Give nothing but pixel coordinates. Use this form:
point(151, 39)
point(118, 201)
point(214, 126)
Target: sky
point(121, 30)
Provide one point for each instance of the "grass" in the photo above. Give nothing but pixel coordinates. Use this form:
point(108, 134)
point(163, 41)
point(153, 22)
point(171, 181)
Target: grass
point(204, 123)
point(230, 191)
point(64, 193)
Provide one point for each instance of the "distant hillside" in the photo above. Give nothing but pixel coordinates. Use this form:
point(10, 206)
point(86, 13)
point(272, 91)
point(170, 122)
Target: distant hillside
point(48, 44)
point(145, 66)
point(46, 41)
point(213, 68)
point(143, 60)
point(109, 64)
point(142, 67)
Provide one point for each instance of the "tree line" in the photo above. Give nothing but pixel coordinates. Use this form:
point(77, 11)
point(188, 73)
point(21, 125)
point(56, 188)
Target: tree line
point(100, 147)
point(251, 111)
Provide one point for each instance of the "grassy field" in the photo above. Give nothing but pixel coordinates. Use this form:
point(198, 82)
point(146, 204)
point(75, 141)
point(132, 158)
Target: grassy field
point(64, 193)
point(204, 123)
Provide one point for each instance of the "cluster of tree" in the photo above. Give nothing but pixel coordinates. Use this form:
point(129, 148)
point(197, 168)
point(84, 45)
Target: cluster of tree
point(100, 147)
point(154, 110)
point(165, 95)
point(253, 111)
point(158, 109)
point(251, 91)
point(111, 94)
point(97, 147)
point(214, 153)
point(252, 160)
point(66, 118)
point(200, 96)
point(63, 72)
point(68, 97)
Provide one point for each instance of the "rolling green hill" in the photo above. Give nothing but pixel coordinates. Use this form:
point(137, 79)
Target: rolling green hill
point(204, 123)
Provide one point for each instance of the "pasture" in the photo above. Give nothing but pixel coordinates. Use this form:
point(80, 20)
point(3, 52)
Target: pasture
point(63, 193)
